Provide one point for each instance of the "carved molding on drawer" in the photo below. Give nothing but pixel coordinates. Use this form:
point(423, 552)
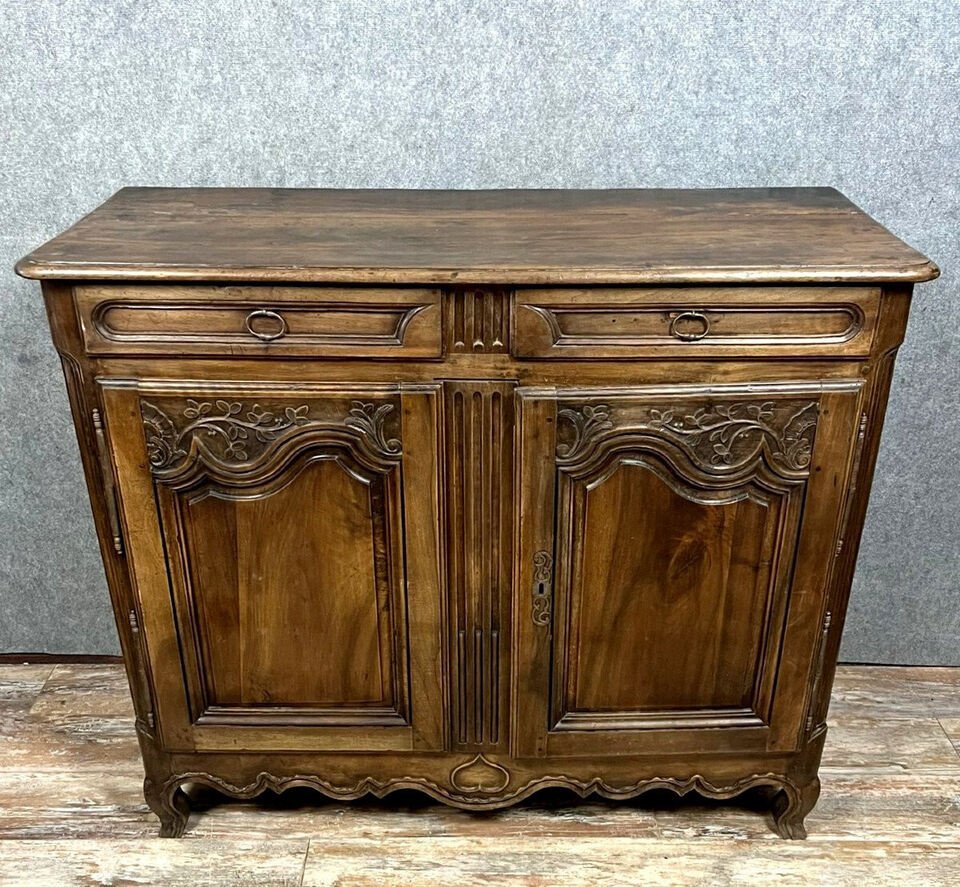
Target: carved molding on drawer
point(387, 323)
point(604, 323)
point(717, 437)
point(329, 322)
point(234, 436)
point(840, 323)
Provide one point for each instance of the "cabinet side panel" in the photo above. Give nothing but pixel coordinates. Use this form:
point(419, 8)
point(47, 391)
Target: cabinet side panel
point(84, 402)
point(894, 310)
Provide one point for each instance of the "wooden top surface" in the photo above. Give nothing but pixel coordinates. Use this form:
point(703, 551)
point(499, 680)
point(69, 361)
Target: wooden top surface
point(771, 235)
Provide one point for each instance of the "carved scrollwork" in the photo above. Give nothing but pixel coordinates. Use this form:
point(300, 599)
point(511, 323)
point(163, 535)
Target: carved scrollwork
point(542, 588)
point(588, 421)
point(232, 433)
point(716, 436)
point(731, 434)
point(368, 418)
point(792, 802)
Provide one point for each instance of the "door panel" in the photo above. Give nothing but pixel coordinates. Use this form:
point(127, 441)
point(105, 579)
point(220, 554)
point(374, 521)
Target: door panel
point(667, 616)
point(282, 520)
point(689, 596)
point(269, 599)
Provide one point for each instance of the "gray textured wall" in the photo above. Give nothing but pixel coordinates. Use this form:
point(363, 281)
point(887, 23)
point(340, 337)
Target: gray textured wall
point(491, 93)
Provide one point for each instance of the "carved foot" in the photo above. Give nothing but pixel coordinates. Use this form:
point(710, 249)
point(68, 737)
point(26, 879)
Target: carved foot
point(171, 806)
point(791, 806)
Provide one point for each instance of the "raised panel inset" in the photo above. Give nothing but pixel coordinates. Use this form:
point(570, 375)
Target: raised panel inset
point(259, 491)
point(668, 538)
point(676, 523)
point(284, 610)
point(285, 561)
point(668, 596)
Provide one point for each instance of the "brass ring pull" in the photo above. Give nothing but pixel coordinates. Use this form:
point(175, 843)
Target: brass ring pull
point(693, 335)
point(273, 317)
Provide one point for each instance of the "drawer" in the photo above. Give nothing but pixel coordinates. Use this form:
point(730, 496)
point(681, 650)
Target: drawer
point(612, 323)
point(261, 321)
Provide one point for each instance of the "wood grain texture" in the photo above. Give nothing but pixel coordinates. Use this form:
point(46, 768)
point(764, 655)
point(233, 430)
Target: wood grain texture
point(319, 468)
point(891, 692)
point(913, 744)
point(82, 820)
point(606, 323)
point(49, 863)
point(515, 237)
point(261, 321)
point(677, 524)
point(677, 601)
point(951, 726)
point(272, 596)
point(591, 863)
point(366, 529)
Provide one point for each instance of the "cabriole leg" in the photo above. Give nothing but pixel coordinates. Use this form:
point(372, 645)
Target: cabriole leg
point(171, 806)
point(791, 806)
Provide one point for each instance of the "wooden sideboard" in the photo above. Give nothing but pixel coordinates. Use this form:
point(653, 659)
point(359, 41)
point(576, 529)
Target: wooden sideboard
point(478, 493)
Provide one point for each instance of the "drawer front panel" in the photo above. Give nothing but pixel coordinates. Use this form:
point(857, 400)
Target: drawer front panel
point(612, 323)
point(283, 321)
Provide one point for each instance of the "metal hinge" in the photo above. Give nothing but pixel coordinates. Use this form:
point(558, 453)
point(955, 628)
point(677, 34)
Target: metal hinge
point(854, 475)
point(821, 662)
point(109, 490)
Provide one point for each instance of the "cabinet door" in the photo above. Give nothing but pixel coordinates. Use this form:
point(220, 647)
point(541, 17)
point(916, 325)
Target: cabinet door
point(676, 547)
point(283, 545)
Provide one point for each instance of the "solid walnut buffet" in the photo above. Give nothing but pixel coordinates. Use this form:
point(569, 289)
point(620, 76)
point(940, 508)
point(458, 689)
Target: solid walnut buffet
point(479, 492)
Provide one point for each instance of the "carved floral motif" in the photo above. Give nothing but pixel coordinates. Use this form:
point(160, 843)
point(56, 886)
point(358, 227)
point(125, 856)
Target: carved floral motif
point(731, 434)
point(717, 435)
point(588, 421)
point(368, 418)
point(235, 433)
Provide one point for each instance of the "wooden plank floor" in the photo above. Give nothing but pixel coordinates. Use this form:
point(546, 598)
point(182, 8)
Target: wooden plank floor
point(71, 810)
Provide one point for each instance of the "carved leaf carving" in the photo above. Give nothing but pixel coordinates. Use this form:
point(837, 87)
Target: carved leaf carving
point(730, 435)
point(368, 418)
point(716, 435)
point(163, 439)
point(588, 421)
point(234, 433)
